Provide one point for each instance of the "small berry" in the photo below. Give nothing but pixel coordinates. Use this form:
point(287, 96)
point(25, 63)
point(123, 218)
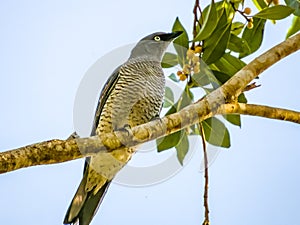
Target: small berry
point(198, 49)
point(182, 77)
point(276, 2)
point(247, 10)
point(179, 73)
point(190, 53)
point(250, 25)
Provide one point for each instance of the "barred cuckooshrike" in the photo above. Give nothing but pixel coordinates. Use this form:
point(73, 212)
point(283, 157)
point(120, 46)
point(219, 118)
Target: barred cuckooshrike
point(132, 95)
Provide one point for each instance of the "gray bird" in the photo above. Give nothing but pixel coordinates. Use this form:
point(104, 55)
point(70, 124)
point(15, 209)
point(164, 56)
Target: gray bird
point(132, 95)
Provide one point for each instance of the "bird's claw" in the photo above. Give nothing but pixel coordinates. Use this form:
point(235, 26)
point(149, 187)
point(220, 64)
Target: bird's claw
point(126, 128)
point(124, 133)
point(155, 118)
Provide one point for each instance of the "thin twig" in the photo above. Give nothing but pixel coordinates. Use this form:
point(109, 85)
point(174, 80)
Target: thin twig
point(241, 12)
point(195, 12)
point(251, 86)
point(205, 195)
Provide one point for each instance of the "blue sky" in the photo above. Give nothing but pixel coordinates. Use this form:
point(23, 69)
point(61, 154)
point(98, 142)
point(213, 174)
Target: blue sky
point(46, 49)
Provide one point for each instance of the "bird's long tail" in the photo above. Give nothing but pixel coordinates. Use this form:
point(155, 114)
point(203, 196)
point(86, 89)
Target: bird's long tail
point(85, 203)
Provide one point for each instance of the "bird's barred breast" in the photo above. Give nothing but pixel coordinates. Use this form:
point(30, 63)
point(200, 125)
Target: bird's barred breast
point(136, 98)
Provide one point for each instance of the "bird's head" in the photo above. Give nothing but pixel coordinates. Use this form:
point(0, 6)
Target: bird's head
point(153, 45)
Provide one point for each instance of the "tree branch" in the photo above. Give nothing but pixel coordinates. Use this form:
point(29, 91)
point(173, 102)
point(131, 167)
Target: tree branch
point(56, 151)
point(260, 110)
point(236, 84)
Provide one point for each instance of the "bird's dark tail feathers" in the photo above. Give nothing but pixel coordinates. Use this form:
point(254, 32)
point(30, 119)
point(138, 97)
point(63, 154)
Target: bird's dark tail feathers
point(84, 204)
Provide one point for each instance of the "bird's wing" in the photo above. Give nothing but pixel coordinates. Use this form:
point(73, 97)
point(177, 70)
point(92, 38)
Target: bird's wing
point(85, 203)
point(105, 92)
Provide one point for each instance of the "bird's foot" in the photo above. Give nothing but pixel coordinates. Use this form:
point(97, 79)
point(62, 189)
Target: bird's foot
point(126, 128)
point(124, 133)
point(156, 118)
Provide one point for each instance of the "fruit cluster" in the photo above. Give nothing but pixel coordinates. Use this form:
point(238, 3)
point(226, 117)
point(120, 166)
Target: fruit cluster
point(192, 64)
point(247, 11)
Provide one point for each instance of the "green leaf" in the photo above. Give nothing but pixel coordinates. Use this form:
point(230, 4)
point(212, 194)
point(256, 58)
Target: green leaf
point(204, 77)
point(216, 133)
point(171, 110)
point(238, 44)
point(237, 27)
point(182, 148)
point(216, 44)
point(199, 80)
point(206, 80)
point(295, 4)
point(242, 98)
point(168, 142)
point(218, 5)
point(276, 12)
point(235, 62)
point(181, 44)
point(295, 27)
point(169, 60)
point(254, 36)
point(229, 10)
point(222, 77)
point(260, 4)
point(208, 90)
point(173, 77)
point(215, 47)
point(171, 140)
point(185, 99)
point(169, 98)
point(228, 64)
point(194, 130)
point(209, 24)
point(234, 119)
point(212, 78)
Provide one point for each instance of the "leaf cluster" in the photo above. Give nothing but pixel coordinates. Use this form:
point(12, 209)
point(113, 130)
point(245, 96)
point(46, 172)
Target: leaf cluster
point(225, 40)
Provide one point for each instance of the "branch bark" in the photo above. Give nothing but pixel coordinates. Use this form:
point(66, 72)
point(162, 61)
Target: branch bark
point(260, 110)
point(56, 151)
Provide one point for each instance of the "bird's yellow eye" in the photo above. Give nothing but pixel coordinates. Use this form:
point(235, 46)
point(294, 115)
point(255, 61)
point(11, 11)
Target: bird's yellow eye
point(157, 38)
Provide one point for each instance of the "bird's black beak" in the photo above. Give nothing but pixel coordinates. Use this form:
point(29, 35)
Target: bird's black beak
point(170, 36)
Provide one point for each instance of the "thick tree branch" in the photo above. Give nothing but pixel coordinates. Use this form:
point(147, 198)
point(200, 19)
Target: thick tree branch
point(47, 152)
point(260, 110)
point(57, 151)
